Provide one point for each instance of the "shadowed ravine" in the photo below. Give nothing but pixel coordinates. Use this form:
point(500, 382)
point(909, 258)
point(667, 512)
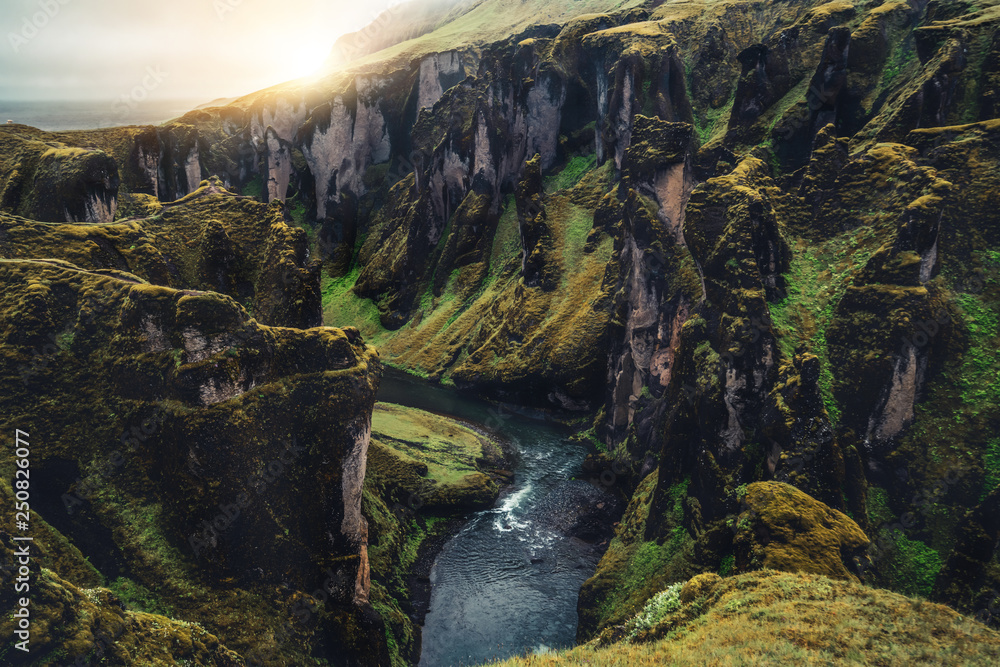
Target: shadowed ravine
point(508, 581)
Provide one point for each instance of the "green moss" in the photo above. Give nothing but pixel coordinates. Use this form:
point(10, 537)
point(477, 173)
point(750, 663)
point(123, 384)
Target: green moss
point(711, 124)
point(991, 465)
point(506, 250)
point(879, 511)
point(297, 211)
point(577, 227)
point(634, 569)
point(254, 188)
point(648, 562)
point(678, 494)
point(64, 341)
point(913, 564)
point(819, 273)
point(900, 61)
point(571, 173)
point(342, 307)
point(139, 598)
point(980, 374)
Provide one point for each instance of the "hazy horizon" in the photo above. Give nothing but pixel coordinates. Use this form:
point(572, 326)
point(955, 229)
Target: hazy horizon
point(128, 52)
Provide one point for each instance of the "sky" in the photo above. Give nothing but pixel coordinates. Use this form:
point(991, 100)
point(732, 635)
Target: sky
point(167, 49)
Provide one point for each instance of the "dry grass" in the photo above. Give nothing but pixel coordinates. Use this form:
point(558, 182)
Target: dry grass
point(777, 618)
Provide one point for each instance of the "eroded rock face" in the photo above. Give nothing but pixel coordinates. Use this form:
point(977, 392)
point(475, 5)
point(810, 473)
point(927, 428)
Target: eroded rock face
point(211, 240)
point(179, 170)
point(267, 426)
point(782, 528)
point(344, 144)
point(54, 182)
point(438, 73)
point(72, 621)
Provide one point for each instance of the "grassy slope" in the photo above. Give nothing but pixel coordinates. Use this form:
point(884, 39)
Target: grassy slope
point(449, 449)
point(493, 20)
point(775, 618)
point(433, 341)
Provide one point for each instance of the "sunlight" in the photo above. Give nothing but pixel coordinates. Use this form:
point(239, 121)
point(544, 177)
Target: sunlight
point(306, 60)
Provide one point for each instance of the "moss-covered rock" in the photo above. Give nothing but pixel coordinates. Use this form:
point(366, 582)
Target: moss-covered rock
point(634, 568)
point(69, 623)
point(774, 618)
point(176, 440)
point(210, 240)
point(760, 238)
point(699, 586)
point(782, 528)
point(53, 181)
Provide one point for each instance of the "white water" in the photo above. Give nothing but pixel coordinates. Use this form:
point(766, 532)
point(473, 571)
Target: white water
point(506, 584)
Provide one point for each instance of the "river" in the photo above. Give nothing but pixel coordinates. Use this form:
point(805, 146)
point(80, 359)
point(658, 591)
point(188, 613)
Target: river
point(507, 582)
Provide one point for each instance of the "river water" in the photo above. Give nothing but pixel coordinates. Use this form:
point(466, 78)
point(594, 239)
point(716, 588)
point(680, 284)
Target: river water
point(507, 582)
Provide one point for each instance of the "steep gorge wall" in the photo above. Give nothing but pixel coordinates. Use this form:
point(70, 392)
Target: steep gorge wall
point(152, 412)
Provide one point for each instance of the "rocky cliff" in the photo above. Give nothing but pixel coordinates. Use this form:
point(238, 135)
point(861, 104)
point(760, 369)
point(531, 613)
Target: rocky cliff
point(211, 462)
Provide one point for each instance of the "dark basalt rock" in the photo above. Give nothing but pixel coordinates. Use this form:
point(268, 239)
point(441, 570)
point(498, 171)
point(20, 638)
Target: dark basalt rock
point(210, 240)
point(229, 431)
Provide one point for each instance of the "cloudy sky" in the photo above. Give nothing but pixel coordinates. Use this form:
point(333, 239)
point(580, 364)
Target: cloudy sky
point(178, 49)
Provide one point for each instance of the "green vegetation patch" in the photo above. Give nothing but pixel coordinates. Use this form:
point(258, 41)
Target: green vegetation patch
point(879, 511)
point(434, 458)
point(819, 274)
point(634, 570)
point(991, 465)
point(665, 602)
point(342, 307)
point(910, 564)
point(570, 175)
point(139, 598)
point(254, 188)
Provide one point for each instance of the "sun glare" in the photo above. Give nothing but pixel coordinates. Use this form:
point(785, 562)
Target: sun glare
point(306, 60)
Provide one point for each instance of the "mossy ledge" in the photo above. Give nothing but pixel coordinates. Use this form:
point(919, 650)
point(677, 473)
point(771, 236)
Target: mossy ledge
point(778, 618)
point(216, 462)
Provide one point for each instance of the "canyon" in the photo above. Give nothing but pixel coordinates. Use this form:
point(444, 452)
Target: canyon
point(746, 252)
